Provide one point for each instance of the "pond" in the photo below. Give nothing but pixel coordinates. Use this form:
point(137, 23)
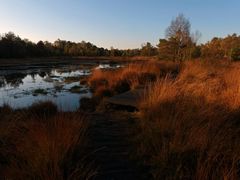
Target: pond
point(21, 88)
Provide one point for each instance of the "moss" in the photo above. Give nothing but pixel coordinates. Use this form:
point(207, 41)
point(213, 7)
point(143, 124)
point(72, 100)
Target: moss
point(75, 89)
point(40, 92)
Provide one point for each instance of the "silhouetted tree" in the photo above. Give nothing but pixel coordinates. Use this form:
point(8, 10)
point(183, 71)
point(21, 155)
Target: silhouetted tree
point(148, 50)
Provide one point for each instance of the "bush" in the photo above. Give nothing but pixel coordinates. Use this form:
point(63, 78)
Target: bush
point(235, 54)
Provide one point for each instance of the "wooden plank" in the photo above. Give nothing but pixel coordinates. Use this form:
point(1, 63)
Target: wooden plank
point(130, 98)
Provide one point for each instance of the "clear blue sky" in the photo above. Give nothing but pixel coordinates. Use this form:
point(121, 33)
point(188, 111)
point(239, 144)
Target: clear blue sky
point(117, 23)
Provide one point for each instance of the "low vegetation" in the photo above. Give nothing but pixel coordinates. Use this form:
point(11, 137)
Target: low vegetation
point(189, 126)
point(42, 143)
point(188, 123)
point(37, 92)
point(110, 82)
point(75, 89)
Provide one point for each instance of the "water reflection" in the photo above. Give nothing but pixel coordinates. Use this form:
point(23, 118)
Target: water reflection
point(21, 88)
point(108, 66)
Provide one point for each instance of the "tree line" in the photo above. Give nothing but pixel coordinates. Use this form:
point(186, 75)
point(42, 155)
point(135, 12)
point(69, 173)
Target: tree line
point(12, 46)
point(179, 44)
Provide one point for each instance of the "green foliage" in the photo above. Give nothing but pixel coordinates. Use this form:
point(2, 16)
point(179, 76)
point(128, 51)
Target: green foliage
point(167, 49)
point(235, 55)
point(179, 45)
point(12, 46)
point(219, 48)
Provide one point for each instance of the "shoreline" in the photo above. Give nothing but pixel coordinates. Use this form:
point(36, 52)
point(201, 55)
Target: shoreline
point(6, 63)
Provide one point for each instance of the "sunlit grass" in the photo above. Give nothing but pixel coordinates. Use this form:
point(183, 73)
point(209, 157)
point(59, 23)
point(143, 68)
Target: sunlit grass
point(190, 126)
point(112, 82)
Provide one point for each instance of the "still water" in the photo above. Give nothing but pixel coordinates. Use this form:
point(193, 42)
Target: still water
point(22, 88)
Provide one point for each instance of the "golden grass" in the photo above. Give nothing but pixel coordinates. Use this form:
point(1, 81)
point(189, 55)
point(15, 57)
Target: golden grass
point(50, 146)
point(128, 77)
point(190, 125)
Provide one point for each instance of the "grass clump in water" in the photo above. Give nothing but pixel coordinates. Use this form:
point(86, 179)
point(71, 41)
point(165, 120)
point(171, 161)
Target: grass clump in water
point(39, 91)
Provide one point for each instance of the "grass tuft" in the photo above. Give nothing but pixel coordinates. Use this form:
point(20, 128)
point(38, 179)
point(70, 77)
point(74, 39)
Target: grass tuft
point(49, 146)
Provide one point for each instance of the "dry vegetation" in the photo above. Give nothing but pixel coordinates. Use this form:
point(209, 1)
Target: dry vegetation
point(41, 143)
point(110, 82)
point(189, 117)
point(190, 125)
point(188, 128)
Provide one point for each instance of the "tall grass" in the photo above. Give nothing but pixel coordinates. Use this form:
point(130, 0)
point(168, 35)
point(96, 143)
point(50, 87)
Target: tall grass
point(190, 125)
point(43, 146)
point(110, 82)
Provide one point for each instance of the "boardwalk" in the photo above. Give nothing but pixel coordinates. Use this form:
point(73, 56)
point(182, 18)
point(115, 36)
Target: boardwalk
point(130, 98)
point(110, 135)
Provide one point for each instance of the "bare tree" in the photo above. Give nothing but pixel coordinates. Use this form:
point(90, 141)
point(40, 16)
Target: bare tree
point(179, 32)
point(179, 29)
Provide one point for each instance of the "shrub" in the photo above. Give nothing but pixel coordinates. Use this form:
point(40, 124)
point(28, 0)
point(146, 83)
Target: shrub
point(235, 55)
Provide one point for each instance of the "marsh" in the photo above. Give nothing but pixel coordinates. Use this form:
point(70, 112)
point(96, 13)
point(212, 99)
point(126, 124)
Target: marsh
point(21, 87)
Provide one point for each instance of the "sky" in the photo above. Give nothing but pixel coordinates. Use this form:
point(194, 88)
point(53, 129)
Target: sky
point(119, 23)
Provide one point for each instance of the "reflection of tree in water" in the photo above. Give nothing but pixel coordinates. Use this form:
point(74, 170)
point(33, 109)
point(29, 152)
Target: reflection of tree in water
point(15, 79)
point(42, 74)
point(2, 82)
point(33, 75)
point(48, 73)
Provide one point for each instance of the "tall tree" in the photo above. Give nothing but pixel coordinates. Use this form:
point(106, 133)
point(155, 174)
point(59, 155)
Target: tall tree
point(179, 29)
point(178, 38)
